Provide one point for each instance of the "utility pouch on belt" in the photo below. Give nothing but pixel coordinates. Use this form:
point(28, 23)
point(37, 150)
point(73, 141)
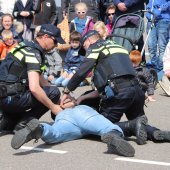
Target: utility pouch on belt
point(3, 91)
point(10, 89)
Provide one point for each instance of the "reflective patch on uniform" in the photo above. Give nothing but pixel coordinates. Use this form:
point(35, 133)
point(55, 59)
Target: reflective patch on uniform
point(93, 55)
point(31, 59)
point(27, 53)
point(113, 45)
point(118, 50)
point(105, 51)
point(19, 55)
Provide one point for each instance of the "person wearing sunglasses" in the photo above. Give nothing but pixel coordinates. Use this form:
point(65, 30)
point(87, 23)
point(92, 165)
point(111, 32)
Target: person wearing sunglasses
point(24, 93)
point(110, 17)
point(82, 23)
point(68, 8)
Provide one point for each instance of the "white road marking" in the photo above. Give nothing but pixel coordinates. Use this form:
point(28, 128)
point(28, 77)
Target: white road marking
point(142, 161)
point(43, 150)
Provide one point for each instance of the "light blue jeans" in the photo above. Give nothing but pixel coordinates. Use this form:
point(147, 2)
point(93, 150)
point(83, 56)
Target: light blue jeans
point(61, 81)
point(74, 123)
point(158, 39)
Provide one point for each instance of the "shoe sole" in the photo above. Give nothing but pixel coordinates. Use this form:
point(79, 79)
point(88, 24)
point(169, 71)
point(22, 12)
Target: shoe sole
point(164, 88)
point(21, 136)
point(161, 135)
point(118, 145)
point(142, 136)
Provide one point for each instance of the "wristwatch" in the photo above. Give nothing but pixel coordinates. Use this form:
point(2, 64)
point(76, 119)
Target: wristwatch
point(66, 90)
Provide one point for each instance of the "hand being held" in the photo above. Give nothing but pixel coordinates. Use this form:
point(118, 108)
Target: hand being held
point(56, 109)
point(64, 99)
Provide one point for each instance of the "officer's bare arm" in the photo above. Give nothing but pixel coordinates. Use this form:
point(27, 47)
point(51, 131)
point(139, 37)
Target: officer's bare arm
point(81, 74)
point(43, 81)
point(38, 92)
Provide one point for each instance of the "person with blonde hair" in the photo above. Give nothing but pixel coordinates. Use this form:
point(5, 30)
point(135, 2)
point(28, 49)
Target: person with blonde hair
point(82, 23)
point(16, 27)
point(7, 43)
point(68, 8)
point(101, 28)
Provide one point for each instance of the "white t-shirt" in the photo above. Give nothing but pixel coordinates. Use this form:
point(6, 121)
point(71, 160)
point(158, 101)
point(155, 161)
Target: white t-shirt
point(24, 2)
point(7, 6)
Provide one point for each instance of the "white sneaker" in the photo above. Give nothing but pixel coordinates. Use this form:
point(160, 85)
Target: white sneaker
point(165, 84)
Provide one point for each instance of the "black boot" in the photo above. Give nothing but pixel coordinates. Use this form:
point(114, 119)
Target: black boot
point(161, 136)
point(136, 127)
point(117, 145)
point(32, 130)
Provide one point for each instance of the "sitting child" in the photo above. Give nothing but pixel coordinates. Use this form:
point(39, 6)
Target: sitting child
point(54, 68)
point(144, 76)
point(7, 43)
point(72, 60)
point(81, 23)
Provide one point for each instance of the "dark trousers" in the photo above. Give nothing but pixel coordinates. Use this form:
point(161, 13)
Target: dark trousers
point(129, 101)
point(21, 107)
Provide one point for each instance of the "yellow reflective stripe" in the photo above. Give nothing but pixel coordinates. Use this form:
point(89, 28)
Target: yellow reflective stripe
point(31, 60)
point(118, 50)
point(19, 55)
point(113, 45)
point(93, 55)
point(105, 51)
point(27, 53)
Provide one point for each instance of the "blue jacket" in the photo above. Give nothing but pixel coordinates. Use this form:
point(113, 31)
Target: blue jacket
point(73, 59)
point(161, 9)
point(132, 6)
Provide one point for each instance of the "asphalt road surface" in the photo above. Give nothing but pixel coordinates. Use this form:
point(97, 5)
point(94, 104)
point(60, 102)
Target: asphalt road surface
point(89, 153)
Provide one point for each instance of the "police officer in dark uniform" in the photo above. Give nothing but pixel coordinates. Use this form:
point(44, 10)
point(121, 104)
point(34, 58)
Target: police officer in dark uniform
point(114, 78)
point(24, 93)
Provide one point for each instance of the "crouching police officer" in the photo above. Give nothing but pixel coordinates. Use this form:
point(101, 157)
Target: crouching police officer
point(114, 78)
point(24, 94)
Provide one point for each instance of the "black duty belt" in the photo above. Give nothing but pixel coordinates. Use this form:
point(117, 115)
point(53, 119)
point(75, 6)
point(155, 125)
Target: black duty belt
point(11, 89)
point(123, 83)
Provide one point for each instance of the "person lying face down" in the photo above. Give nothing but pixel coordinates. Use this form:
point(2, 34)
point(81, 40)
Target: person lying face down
point(74, 123)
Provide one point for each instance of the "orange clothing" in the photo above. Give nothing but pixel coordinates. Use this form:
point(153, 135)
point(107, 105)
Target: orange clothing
point(4, 49)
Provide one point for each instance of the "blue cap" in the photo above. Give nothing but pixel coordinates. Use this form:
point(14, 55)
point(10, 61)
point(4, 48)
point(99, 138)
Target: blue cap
point(52, 31)
point(89, 34)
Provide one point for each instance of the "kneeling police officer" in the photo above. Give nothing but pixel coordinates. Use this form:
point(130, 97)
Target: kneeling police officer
point(24, 93)
point(115, 79)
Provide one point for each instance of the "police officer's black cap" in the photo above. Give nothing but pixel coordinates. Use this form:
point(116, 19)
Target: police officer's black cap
point(53, 31)
point(89, 34)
